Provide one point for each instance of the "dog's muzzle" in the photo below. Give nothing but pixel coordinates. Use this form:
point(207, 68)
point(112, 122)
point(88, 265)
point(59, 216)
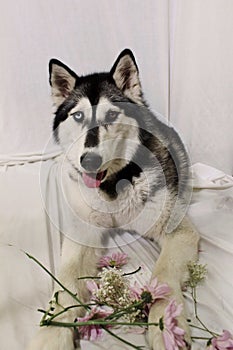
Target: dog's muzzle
point(91, 162)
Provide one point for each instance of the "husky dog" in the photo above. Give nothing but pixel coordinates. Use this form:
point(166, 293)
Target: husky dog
point(123, 169)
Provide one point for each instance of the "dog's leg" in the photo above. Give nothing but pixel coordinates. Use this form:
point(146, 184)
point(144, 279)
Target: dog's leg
point(77, 261)
point(178, 248)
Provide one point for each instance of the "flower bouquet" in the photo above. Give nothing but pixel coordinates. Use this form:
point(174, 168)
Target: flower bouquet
point(115, 302)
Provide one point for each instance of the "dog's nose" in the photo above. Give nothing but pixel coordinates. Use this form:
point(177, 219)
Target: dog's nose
point(91, 161)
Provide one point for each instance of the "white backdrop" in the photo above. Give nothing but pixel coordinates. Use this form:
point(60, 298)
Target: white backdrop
point(201, 81)
point(183, 48)
point(87, 35)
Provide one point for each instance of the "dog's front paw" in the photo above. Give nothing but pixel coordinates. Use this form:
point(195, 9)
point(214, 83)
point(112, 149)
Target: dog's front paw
point(53, 338)
point(173, 332)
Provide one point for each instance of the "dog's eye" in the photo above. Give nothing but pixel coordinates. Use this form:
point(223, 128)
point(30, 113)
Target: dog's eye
point(111, 116)
point(78, 116)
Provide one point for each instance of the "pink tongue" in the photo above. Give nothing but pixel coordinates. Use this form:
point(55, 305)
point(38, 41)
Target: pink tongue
point(94, 181)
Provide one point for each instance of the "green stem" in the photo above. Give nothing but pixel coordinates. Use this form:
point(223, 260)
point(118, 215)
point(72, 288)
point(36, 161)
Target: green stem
point(74, 296)
point(66, 309)
point(46, 314)
point(98, 278)
point(194, 296)
point(132, 273)
point(89, 278)
point(95, 323)
point(123, 340)
point(193, 326)
point(125, 310)
point(202, 338)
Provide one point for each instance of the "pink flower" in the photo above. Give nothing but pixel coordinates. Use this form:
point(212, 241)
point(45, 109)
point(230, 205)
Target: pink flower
point(150, 292)
point(158, 291)
point(173, 336)
point(93, 288)
point(222, 342)
point(115, 260)
point(92, 332)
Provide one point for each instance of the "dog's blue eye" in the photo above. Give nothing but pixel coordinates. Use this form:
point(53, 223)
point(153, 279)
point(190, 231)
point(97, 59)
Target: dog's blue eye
point(111, 116)
point(78, 116)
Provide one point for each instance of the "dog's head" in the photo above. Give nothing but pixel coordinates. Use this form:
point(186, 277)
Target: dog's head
point(97, 117)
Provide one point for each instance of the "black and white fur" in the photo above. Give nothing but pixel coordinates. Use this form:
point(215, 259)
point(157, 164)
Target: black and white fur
point(123, 169)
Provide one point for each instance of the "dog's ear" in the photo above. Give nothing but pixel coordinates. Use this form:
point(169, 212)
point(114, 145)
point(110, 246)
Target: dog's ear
point(62, 80)
point(125, 74)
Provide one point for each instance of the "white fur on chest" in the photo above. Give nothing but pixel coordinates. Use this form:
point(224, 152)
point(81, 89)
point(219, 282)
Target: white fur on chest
point(133, 208)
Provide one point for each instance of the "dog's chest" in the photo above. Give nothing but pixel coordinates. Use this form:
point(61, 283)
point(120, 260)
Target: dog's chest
point(132, 209)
